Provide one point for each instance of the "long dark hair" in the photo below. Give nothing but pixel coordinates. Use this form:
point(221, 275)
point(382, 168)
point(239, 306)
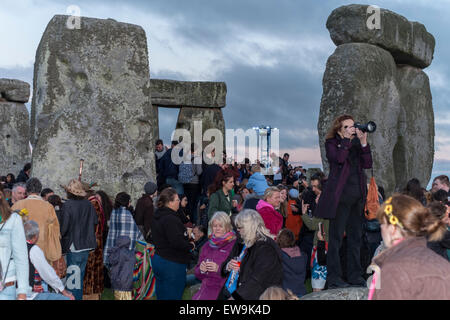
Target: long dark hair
point(337, 125)
point(106, 204)
point(5, 210)
point(222, 176)
point(166, 196)
point(414, 189)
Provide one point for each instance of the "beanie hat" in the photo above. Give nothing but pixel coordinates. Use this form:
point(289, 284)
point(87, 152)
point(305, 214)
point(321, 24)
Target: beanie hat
point(150, 188)
point(293, 193)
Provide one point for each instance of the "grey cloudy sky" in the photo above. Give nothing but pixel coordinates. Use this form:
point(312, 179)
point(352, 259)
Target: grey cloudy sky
point(272, 55)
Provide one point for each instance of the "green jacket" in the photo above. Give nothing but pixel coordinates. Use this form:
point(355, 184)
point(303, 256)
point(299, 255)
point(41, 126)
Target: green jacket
point(219, 202)
point(313, 224)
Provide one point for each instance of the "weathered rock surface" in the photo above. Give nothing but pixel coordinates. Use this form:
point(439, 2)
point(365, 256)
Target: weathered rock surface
point(92, 101)
point(414, 151)
point(408, 42)
point(171, 93)
point(14, 137)
point(208, 118)
point(360, 80)
point(14, 90)
point(338, 294)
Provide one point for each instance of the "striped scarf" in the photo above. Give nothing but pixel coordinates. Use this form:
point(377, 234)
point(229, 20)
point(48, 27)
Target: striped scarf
point(216, 242)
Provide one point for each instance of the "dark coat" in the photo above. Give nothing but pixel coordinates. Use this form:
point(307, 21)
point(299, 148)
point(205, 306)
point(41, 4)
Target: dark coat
point(294, 270)
point(144, 214)
point(261, 268)
point(170, 236)
point(22, 177)
point(337, 151)
point(168, 169)
point(122, 260)
point(441, 247)
point(79, 220)
point(208, 176)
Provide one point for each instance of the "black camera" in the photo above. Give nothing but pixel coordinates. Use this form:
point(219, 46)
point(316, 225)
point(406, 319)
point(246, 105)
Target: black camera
point(368, 127)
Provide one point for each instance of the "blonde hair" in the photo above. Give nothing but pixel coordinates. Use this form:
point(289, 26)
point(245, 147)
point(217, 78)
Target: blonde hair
point(270, 191)
point(252, 227)
point(277, 293)
point(223, 219)
point(417, 221)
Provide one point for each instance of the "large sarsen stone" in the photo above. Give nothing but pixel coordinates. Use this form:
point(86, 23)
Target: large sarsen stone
point(92, 101)
point(360, 80)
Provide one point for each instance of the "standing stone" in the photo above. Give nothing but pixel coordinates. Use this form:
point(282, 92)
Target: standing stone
point(14, 137)
point(414, 152)
point(408, 42)
point(210, 118)
point(360, 80)
point(92, 101)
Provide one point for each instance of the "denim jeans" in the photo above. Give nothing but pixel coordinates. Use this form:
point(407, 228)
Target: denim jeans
point(76, 267)
point(50, 296)
point(8, 293)
point(170, 278)
point(174, 183)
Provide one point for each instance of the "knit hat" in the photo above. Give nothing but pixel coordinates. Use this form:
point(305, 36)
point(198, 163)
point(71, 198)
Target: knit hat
point(293, 193)
point(150, 188)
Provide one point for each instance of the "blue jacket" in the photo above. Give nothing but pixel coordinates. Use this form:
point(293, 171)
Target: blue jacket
point(167, 169)
point(14, 246)
point(122, 260)
point(258, 183)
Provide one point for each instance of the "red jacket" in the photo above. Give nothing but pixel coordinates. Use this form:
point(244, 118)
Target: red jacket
point(272, 218)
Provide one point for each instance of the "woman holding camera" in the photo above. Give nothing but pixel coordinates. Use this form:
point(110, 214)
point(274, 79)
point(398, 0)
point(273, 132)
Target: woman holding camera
point(342, 200)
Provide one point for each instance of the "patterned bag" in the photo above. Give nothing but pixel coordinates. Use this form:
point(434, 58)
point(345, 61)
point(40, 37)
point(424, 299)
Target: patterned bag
point(143, 276)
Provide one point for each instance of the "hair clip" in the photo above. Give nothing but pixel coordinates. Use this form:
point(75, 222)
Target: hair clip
point(388, 211)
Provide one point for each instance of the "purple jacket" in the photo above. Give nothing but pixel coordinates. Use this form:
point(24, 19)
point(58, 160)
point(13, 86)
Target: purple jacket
point(337, 151)
point(212, 282)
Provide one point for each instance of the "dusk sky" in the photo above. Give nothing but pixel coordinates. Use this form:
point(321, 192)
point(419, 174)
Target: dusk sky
point(271, 54)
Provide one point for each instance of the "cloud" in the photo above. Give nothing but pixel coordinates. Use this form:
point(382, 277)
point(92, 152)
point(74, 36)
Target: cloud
point(271, 54)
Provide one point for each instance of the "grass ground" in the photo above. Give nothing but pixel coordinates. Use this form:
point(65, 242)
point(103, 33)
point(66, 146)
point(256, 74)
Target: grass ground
point(187, 294)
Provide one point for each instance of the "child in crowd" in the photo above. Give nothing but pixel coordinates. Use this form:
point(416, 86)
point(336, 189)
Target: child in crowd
point(294, 263)
point(319, 251)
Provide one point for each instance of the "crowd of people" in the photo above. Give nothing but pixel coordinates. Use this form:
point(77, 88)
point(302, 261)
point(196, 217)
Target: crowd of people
point(229, 231)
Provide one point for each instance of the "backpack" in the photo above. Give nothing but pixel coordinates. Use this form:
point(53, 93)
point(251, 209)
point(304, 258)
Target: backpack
point(186, 172)
point(372, 202)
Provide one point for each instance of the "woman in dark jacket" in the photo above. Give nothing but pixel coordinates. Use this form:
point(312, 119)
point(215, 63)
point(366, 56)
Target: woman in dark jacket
point(173, 249)
point(144, 210)
point(342, 201)
point(261, 261)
